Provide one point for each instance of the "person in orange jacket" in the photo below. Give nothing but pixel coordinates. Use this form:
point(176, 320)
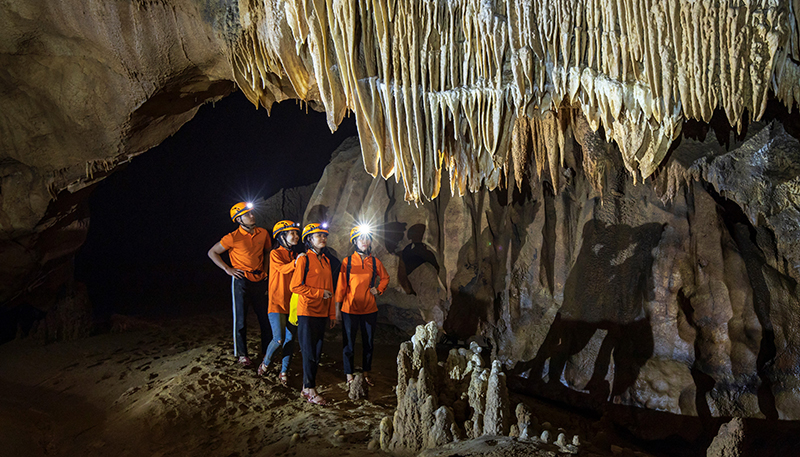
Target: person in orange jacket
point(313, 283)
point(246, 247)
point(361, 278)
point(281, 269)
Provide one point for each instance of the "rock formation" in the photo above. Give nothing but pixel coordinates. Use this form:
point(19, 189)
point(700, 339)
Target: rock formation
point(441, 403)
point(679, 295)
point(85, 87)
point(728, 442)
point(461, 87)
point(606, 249)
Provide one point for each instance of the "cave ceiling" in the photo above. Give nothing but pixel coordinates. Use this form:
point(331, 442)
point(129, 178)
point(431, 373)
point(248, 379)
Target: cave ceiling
point(478, 90)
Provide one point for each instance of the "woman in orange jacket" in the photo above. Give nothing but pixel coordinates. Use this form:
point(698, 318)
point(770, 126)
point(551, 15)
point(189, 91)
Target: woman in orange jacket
point(282, 261)
point(313, 283)
point(361, 278)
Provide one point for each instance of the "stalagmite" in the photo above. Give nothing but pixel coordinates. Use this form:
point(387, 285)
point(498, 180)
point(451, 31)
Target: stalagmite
point(445, 402)
point(450, 84)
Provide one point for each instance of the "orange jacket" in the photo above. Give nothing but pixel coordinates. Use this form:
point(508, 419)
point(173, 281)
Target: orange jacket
point(247, 251)
point(281, 268)
point(318, 280)
point(356, 297)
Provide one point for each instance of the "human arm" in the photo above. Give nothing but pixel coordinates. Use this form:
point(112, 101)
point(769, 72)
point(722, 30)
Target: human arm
point(215, 254)
point(280, 263)
point(341, 285)
point(333, 314)
point(384, 279)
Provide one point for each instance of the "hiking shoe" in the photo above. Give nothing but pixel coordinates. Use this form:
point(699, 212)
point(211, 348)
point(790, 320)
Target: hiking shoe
point(245, 361)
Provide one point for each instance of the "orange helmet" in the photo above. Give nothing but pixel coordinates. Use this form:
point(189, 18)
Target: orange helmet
point(285, 226)
point(358, 230)
point(314, 228)
point(239, 209)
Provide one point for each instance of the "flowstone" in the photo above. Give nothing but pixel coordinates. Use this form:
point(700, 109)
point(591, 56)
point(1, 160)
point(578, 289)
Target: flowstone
point(452, 401)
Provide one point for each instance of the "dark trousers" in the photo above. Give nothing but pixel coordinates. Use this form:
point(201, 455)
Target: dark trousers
point(310, 333)
point(351, 324)
point(246, 293)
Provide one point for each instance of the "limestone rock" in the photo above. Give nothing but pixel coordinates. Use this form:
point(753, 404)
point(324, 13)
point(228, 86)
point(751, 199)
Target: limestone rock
point(524, 421)
point(729, 442)
point(358, 388)
point(421, 421)
point(696, 282)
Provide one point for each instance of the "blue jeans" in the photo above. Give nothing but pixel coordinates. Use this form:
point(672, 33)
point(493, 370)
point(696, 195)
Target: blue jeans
point(351, 324)
point(246, 293)
point(280, 326)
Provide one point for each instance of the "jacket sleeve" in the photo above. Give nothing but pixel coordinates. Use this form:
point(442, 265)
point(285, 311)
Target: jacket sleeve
point(331, 309)
point(280, 265)
point(384, 277)
point(297, 279)
point(227, 242)
point(341, 286)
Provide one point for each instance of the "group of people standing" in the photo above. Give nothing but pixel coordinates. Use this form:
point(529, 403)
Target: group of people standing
point(292, 278)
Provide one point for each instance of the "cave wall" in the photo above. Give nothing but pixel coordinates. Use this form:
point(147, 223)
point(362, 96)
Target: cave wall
point(678, 294)
point(84, 87)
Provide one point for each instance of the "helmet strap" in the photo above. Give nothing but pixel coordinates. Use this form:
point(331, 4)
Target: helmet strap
point(282, 240)
point(247, 228)
point(309, 245)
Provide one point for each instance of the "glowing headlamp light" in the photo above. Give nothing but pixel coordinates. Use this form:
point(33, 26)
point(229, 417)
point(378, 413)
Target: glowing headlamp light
point(364, 229)
point(249, 205)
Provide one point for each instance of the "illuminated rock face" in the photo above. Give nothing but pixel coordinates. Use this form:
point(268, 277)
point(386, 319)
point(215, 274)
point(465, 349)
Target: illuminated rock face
point(466, 87)
point(84, 87)
point(679, 296)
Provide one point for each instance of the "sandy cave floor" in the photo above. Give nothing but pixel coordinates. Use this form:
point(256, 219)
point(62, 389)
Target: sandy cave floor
point(172, 388)
point(161, 387)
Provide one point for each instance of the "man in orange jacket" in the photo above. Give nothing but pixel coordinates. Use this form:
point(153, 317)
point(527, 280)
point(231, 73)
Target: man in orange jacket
point(313, 283)
point(248, 248)
point(361, 278)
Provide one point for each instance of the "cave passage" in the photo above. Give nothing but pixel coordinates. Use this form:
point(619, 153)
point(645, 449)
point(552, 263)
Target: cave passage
point(152, 222)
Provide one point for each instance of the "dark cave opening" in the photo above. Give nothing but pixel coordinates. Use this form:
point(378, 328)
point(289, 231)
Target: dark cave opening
point(152, 222)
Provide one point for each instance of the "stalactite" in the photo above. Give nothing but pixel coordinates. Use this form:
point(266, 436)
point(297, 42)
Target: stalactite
point(473, 86)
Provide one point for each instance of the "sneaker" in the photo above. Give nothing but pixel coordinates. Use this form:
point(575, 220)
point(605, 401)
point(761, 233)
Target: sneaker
point(245, 361)
point(262, 369)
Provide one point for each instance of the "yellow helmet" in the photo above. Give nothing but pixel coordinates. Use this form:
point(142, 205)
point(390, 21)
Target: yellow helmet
point(239, 209)
point(285, 226)
point(314, 228)
point(358, 230)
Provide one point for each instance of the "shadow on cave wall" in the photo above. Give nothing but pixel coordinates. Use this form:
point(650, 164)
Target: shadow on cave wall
point(481, 298)
point(415, 254)
point(746, 238)
point(605, 291)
